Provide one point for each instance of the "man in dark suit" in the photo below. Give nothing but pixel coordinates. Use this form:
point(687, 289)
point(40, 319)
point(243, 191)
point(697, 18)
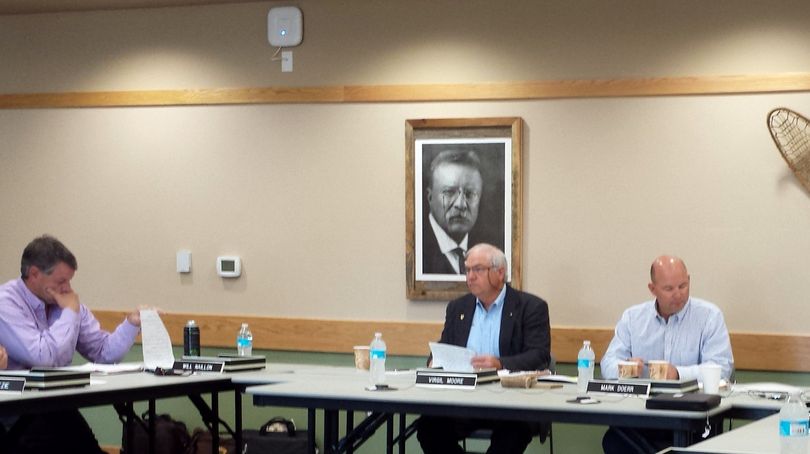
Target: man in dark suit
point(453, 195)
point(508, 329)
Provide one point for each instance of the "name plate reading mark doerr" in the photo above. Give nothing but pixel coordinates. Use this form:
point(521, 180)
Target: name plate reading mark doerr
point(618, 387)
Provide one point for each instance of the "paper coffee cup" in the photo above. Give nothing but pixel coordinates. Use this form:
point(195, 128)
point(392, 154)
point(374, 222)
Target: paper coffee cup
point(361, 360)
point(658, 369)
point(710, 374)
point(628, 369)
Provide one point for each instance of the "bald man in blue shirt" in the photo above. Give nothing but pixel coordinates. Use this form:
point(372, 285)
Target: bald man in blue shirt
point(674, 327)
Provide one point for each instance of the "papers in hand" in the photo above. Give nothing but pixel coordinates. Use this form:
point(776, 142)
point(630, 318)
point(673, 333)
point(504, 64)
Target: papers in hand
point(157, 345)
point(452, 357)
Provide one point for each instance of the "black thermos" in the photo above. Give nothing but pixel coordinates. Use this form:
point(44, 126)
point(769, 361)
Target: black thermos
point(191, 339)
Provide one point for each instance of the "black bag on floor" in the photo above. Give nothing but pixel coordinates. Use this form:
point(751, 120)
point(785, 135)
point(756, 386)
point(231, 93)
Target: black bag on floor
point(171, 437)
point(201, 441)
point(277, 436)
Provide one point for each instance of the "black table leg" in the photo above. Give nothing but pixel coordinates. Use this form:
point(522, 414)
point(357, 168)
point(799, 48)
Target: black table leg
point(237, 408)
point(402, 429)
point(349, 428)
point(330, 430)
point(215, 423)
point(151, 427)
point(311, 421)
point(389, 433)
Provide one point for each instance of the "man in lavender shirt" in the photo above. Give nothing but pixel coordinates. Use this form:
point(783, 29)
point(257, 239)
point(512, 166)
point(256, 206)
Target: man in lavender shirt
point(43, 324)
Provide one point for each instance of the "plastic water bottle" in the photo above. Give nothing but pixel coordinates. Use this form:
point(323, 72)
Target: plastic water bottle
point(244, 341)
point(793, 425)
point(377, 356)
point(585, 359)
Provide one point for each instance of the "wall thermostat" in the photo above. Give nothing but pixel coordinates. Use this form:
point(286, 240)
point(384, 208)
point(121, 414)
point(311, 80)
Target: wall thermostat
point(229, 266)
point(285, 26)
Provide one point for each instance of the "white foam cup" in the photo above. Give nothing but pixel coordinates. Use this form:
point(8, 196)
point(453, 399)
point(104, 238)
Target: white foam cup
point(710, 374)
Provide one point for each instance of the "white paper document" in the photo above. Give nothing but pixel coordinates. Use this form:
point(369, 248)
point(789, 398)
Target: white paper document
point(452, 357)
point(157, 345)
point(766, 387)
point(106, 369)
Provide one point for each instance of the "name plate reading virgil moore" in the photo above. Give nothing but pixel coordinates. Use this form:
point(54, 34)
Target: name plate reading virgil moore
point(618, 387)
point(199, 366)
point(445, 379)
point(11, 385)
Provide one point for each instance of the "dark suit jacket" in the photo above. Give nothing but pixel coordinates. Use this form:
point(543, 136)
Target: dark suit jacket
point(433, 261)
point(525, 337)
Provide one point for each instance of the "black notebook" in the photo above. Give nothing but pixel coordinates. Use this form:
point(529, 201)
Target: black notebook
point(687, 402)
point(231, 363)
point(44, 378)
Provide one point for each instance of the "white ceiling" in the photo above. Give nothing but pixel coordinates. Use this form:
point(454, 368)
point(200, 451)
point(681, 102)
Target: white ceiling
point(51, 6)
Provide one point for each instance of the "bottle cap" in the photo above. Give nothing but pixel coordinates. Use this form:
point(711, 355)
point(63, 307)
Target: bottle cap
point(191, 323)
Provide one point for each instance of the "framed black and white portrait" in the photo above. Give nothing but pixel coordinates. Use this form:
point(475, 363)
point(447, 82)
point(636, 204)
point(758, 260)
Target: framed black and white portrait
point(463, 183)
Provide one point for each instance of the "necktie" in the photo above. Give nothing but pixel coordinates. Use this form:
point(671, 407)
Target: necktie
point(460, 256)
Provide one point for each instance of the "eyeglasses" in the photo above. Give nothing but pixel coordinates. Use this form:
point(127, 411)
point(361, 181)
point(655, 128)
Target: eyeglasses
point(169, 372)
point(478, 270)
point(451, 195)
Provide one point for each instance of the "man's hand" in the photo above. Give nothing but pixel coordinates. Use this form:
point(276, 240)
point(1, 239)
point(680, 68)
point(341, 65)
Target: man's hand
point(672, 372)
point(134, 317)
point(67, 300)
point(486, 362)
point(639, 361)
point(3, 358)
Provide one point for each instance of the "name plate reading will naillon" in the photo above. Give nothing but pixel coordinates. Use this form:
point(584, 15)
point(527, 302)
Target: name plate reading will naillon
point(12, 385)
point(618, 387)
point(199, 366)
point(442, 379)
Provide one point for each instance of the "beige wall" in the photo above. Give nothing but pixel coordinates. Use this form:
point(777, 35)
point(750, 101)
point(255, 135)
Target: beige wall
point(402, 42)
point(312, 196)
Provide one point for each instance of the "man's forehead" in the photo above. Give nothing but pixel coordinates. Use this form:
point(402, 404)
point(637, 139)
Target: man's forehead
point(455, 169)
point(62, 269)
point(671, 280)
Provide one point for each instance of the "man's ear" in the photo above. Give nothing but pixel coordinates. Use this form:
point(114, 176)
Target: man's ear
point(34, 272)
point(502, 274)
point(429, 195)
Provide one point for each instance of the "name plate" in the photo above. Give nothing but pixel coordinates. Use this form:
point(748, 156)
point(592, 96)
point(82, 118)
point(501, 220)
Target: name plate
point(12, 385)
point(199, 366)
point(440, 379)
point(618, 387)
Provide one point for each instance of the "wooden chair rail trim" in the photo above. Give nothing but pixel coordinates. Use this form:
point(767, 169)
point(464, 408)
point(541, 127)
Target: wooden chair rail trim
point(548, 89)
point(752, 351)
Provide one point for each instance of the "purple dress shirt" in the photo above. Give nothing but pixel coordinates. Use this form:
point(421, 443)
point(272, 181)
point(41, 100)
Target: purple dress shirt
point(37, 337)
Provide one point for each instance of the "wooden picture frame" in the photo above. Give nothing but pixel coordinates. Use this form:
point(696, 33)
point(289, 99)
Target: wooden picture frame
point(490, 146)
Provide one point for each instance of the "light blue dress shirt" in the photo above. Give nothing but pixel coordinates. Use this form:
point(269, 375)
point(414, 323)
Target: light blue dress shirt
point(485, 333)
point(695, 335)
